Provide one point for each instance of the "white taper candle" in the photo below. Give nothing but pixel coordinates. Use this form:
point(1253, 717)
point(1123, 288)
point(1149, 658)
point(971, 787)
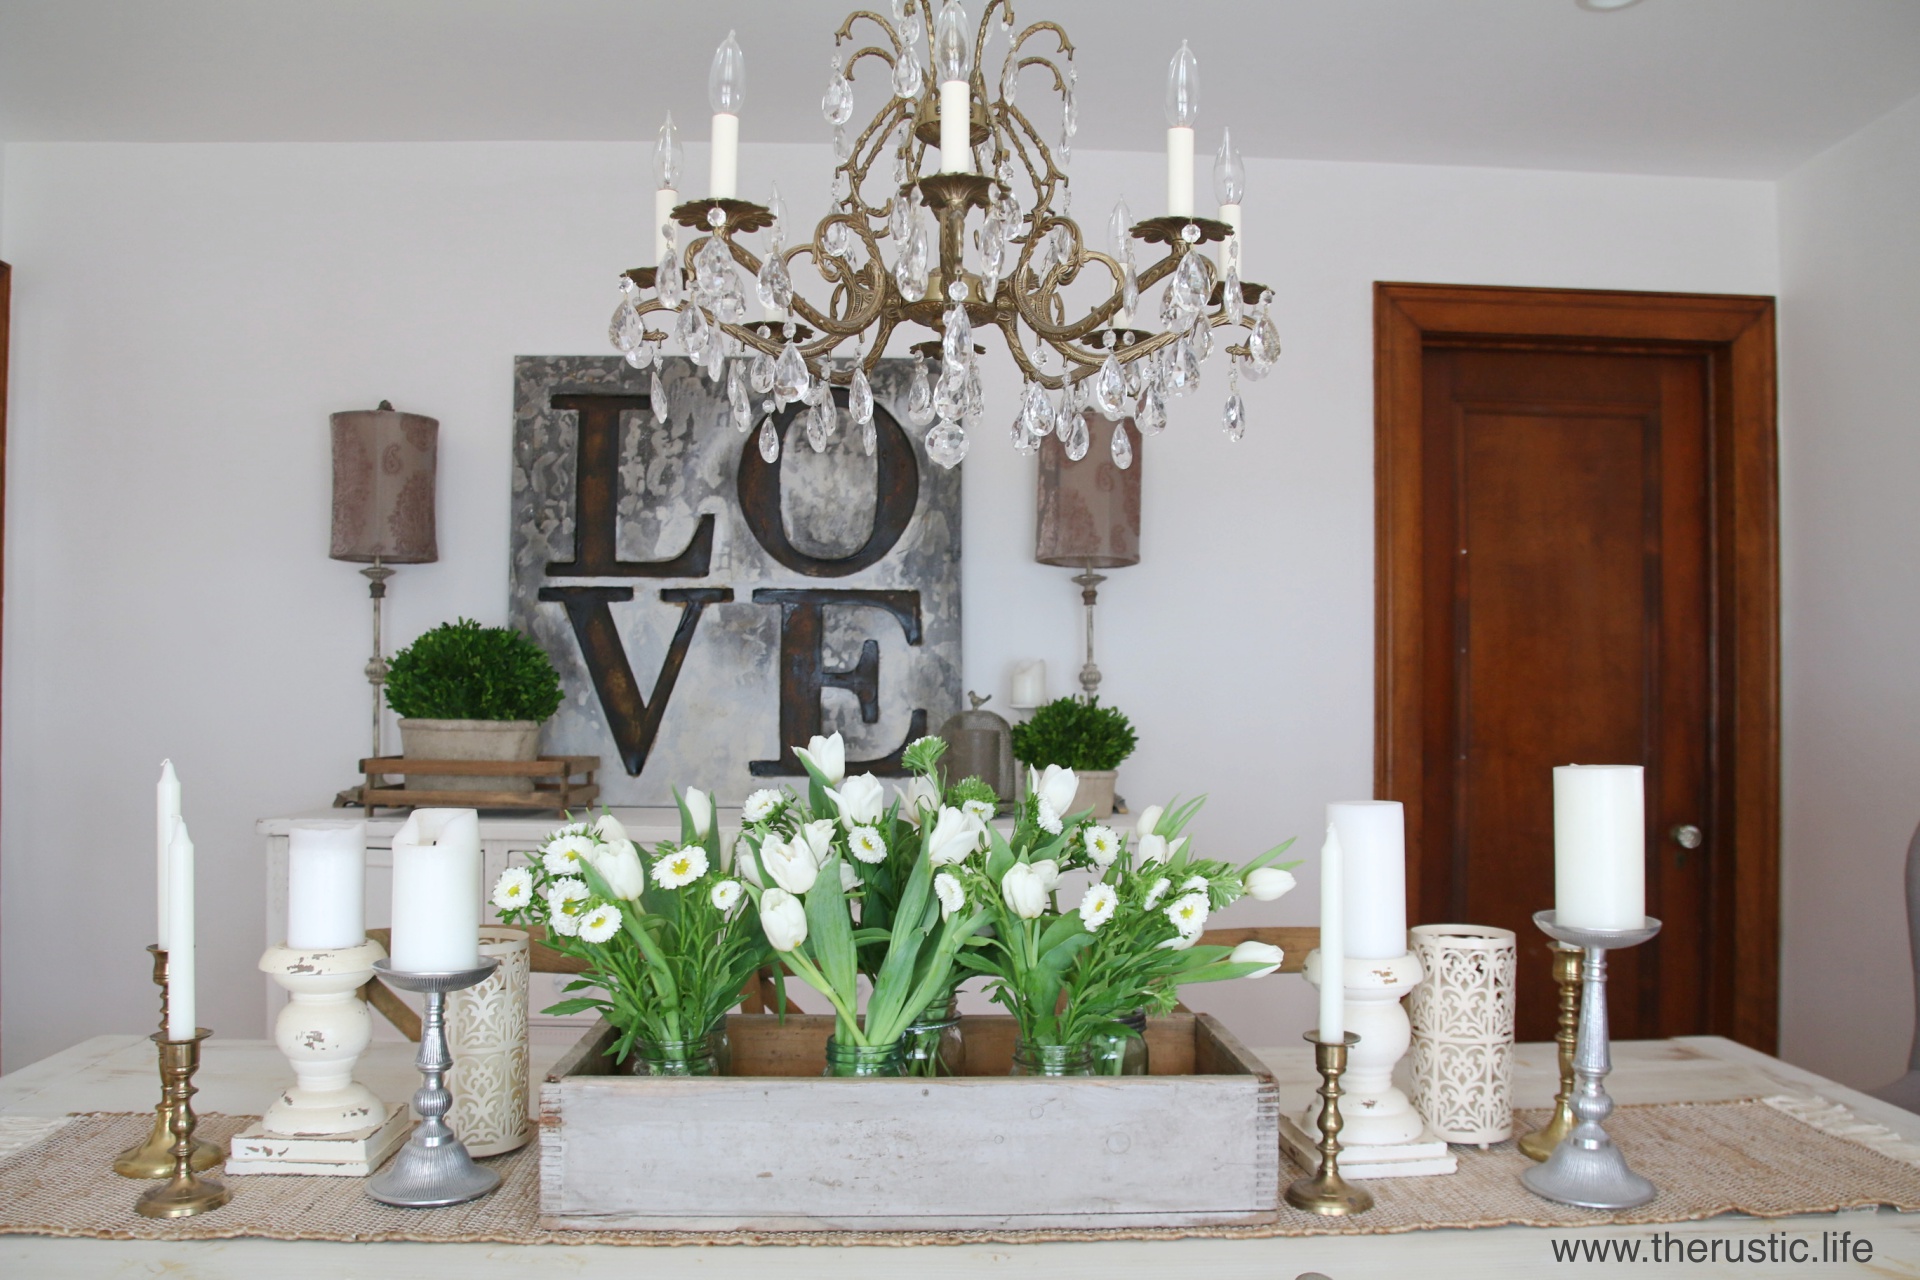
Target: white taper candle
point(1333, 947)
point(181, 1013)
point(1599, 846)
point(956, 127)
point(167, 795)
point(723, 169)
point(1180, 171)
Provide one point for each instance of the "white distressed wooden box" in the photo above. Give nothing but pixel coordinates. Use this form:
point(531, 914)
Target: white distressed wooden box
point(775, 1147)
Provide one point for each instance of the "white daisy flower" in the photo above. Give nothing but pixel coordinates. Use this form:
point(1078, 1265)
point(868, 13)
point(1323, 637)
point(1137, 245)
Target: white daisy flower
point(563, 899)
point(952, 894)
point(571, 829)
point(761, 805)
point(564, 854)
point(1103, 845)
point(600, 923)
point(978, 809)
point(1098, 906)
point(1189, 914)
point(1158, 892)
point(867, 845)
point(514, 889)
point(1195, 884)
point(1049, 820)
point(682, 866)
point(726, 894)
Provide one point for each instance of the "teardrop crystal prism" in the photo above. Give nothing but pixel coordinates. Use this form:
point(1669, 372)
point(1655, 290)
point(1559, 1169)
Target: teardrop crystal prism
point(860, 398)
point(920, 396)
point(1078, 440)
point(816, 429)
point(790, 379)
point(657, 393)
point(737, 400)
point(1202, 338)
point(1264, 344)
point(1022, 439)
point(1183, 368)
point(667, 281)
point(1130, 288)
point(956, 344)
point(947, 444)
point(1233, 418)
point(838, 239)
point(626, 330)
point(769, 442)
point(1151, 416)
point(1232, 298)
point(1065, 415)
point(760, 373)
point(1122, 449)
point(640, 356)
point(837, 103)
point(1110, 389)
point(1036, 414)
point(774, 284)
point(950, 394)
point(906, 75)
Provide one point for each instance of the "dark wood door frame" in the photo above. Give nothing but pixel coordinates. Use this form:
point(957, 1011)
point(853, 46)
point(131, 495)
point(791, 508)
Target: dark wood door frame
point(6, 312)
point(1736, 336)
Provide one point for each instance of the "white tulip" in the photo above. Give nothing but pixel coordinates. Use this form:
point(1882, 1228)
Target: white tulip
point(1152, 850)
point(1022, 888)
point(699, 811)
point(827, 755)
point(1268, 883)
point(849, 878)
point(1261, 953)
point(745, 865)
point(918, 794)
point(861, 801)
point(1049, 872)
point(955, 835)
point(791, 864)
point(618, 863)
point(1055, 787)
point(608, 828)
point(1149, 819)
point(783, 918)
point(819, 837)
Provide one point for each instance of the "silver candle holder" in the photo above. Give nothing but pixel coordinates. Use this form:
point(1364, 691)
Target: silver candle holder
point(433, 1169)
point(1586, 1169)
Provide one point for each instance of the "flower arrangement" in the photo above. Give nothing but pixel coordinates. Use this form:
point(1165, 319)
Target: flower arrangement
point(668, 945)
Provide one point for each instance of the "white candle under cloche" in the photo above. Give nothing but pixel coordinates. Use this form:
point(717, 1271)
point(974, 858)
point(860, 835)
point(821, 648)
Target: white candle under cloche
point(437, 891)
point(956, 126)
point(326, 885)
point(1373, 844)
point(181, 1012)
point(167, 805)
point(1333, 949)
point(1600, 846)
point(1030, 683)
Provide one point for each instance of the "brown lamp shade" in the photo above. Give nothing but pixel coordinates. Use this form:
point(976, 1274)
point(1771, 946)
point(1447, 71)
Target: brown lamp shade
point(1090, 509)
point(383, 469)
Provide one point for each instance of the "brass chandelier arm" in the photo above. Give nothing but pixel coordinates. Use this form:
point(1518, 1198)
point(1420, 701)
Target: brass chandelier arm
point(845, 33)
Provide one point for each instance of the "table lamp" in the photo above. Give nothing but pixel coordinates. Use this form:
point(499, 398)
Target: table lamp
point(1089, 516)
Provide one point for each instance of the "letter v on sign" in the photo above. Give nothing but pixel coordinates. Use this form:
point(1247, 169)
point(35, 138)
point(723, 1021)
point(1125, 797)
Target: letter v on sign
point(634, 721)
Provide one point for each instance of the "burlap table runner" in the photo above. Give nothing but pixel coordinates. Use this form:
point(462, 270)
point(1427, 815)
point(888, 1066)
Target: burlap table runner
point(1706, 1158)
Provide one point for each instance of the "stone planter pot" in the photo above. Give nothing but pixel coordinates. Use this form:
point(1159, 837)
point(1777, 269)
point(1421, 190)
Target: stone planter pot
point(1095, 792)
point(469, 740)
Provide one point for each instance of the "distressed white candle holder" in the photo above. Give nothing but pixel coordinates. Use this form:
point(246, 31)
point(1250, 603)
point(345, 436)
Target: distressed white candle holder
point(487, 1032)
point(1462, 1019)
point(328, 1123)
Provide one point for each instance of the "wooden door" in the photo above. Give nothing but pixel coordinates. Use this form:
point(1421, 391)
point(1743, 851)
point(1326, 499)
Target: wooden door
point(1566, 521)
point(1576, 507)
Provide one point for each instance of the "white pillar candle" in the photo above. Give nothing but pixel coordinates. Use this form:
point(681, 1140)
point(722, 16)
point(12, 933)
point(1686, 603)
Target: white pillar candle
point(167, 794)
point(437, 891)
point(181, 1013)
point(1373, 842)
point(723, 170)
point(1599, 846)
point(663, 202)
point(1333, 947)
point(326, 885)
point(956, 125)
point(1230, 214)
point(1030, 683)
point(1180, 171)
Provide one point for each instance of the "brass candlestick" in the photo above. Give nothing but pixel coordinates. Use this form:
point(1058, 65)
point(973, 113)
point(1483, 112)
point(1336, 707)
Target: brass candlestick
point(1539, 1144)
point(153, 1158)
point(186, 1192)
point(1326, 1192)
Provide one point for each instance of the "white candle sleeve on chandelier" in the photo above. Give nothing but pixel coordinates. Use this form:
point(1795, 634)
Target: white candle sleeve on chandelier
point(1599, 846)
point(956, 127)
point(167, 797)
point(437, 891)
point(1230, 214)
point(1373, 843)
point(663, 201)
point(1333, 948)
point(326, 885)
point(181, 1013)
point(723, 171)
point(1180, 171)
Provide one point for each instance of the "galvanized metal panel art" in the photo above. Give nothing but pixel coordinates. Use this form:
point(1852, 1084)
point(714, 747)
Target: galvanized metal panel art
point(707, 610)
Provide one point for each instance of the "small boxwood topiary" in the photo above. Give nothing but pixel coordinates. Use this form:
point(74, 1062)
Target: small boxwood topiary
point(1074, 734)
point(464, 671)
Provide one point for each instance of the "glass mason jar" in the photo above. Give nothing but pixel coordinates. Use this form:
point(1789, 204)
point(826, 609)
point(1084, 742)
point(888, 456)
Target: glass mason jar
point(706, 1056)
point(932, 1045)
point(1122, 1053)
point(1052, 1059)
point(860, 1060)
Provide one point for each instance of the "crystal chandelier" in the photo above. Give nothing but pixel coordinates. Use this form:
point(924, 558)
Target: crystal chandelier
point(950, 142)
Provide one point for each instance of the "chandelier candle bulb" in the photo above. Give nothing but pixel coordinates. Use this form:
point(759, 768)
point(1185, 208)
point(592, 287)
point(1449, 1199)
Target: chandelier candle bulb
point(1373, 844)
point(1180, 171)
point(1599, 846)
point(181, 1013)
point(1183, 109)
point(326, 885)
point(955, 122)
point(436, 892)
point(168, 803)
point(1333, 947)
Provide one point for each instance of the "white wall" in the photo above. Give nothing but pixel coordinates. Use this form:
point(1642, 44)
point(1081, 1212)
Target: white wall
point(1850, 312)
point(187, 316)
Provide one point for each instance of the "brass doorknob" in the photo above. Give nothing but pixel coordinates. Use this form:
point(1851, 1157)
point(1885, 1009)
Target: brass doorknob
point(1687, 836)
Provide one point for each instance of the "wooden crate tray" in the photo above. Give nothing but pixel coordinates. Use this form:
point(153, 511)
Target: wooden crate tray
point(559, 783)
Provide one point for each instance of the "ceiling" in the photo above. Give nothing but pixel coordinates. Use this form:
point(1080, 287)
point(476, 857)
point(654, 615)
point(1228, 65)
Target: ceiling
point(1732, 88)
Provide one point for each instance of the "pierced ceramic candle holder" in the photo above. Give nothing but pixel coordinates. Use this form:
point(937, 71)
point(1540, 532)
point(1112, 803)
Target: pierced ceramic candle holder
point(487, 1036)
point(434, 1168)
point(1324, 1191)
point(1378, 1112)
point(185, 1192)
point(153, 1158)
point(1586, 1169)
point(1461, 1077)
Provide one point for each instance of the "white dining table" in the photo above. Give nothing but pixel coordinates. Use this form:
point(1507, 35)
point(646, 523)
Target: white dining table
point(116, 1073)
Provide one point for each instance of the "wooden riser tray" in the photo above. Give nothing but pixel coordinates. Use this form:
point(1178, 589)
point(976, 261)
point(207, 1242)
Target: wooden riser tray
point(559, 783)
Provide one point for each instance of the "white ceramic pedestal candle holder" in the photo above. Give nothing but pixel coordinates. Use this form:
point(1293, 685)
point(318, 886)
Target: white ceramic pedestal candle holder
point(327, 1123)
point(1382, 1135)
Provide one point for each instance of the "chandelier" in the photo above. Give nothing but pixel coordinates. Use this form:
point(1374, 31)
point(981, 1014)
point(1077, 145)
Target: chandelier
point(951, 142)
